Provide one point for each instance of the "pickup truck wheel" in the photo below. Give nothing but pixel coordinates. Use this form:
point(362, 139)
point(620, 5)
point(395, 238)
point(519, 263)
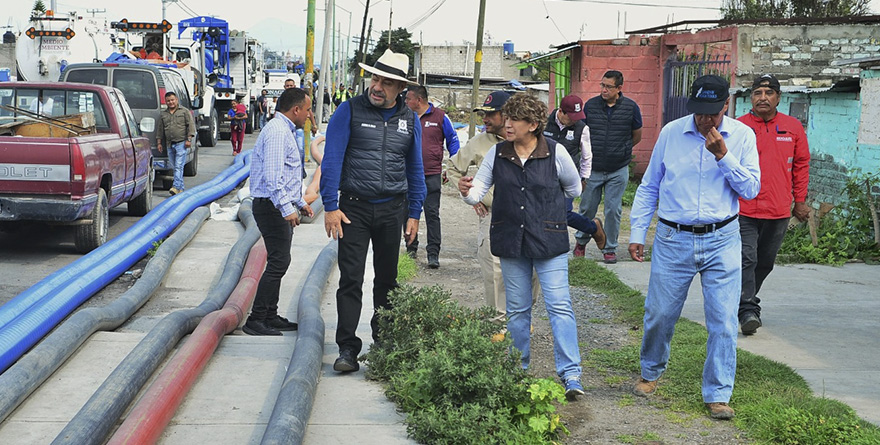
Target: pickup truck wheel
point(91, 236)
point(191, 168)
point(143, 203)
point(208, 138)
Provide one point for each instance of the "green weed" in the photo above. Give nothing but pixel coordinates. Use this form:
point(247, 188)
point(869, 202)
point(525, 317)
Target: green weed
point(458, 386)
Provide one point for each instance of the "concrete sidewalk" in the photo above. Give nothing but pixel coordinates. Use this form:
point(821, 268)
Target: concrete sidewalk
point(820, 320)
point(348, 408)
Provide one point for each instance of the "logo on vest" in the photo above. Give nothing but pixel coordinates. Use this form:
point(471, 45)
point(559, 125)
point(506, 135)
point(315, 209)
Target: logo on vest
point(570, 135)
point(364, 124)
point(784, 139)
point(401, 127)
point(430, 124)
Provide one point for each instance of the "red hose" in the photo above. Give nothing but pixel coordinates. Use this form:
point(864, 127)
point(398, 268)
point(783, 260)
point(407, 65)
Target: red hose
point(155, 409)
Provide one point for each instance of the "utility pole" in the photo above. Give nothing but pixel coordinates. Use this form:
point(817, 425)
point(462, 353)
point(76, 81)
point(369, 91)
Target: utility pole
point(390, 13)
point(325, 57)
point(164, 35)
point(361, 48)
point(478, 60)
point(310, 71)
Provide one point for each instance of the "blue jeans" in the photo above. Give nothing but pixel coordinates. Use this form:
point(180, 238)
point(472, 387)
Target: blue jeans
point(177, 157)
point(676, 258)
point(553, 275)
point(613, 184)
point(262, 120)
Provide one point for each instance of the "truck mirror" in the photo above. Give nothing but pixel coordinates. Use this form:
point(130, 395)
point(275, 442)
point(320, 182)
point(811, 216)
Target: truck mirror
point(148, 125)
point(197, 103)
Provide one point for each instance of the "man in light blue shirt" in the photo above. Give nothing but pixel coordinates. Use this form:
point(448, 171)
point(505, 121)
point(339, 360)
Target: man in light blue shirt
point(276, 186)
point(700, 167)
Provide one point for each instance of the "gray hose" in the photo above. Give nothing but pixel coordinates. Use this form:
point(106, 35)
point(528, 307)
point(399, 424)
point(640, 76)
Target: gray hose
point(29, 372)
point(287, 425)
point(94, 422)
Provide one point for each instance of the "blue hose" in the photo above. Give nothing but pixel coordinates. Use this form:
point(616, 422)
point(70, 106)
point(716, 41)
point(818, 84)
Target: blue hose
point(37, 311)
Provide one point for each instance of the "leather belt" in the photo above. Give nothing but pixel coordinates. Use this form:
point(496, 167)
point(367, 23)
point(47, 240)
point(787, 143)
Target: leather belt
point(699, 229)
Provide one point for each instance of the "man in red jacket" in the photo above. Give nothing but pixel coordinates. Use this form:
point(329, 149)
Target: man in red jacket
point(785, 172)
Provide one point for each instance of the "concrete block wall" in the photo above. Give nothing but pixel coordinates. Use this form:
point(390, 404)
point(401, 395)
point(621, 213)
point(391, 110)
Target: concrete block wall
point(458, 60)
point(638, 59)
point(802, 55)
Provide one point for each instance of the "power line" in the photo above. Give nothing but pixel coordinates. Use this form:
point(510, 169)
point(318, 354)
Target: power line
point(188, 9)
point(426, 15)
point(648, 5)
point(544, 2)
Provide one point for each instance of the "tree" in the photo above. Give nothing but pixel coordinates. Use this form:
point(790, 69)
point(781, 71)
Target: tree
point(784, 9)
point(39, 6)
point(400, 43)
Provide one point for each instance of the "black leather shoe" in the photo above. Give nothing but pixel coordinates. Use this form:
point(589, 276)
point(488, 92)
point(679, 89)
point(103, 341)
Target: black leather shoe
point(750, 324)
point(433, 261)
point(347, 362)
point(259, 327)
point(281, 323)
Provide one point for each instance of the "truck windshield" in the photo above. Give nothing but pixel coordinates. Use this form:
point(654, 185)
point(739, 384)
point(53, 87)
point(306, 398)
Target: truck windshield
point(51, 103)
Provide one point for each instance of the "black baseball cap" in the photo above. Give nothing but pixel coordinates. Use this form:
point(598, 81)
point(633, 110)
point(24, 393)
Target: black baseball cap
point(708, 95)
point(494, 101)
point(767, 80)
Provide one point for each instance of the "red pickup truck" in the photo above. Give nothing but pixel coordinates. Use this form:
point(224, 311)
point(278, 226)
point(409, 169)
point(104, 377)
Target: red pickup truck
point(64, 173)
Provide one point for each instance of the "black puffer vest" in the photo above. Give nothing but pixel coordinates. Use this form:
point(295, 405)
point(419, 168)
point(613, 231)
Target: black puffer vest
point(528, 210)
point(611, 139)
point(375, 159)
point(569, 137)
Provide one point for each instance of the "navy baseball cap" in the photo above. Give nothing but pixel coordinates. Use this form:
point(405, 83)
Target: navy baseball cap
point(494, 101)
point(708, 95)
point(767, 80)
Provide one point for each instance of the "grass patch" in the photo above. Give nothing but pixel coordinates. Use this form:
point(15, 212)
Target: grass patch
point(406, 268)
point(774, 404)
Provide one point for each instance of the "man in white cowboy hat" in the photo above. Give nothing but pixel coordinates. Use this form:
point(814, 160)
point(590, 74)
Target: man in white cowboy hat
point(372, 165)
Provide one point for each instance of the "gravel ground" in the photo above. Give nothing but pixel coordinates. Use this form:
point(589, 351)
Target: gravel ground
point(608, 414)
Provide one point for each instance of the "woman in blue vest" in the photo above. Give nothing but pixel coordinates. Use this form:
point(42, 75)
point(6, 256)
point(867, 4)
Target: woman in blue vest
point(533, 176)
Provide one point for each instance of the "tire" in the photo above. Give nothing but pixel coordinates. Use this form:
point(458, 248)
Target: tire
point(209, 138)
point(143, 203)
point(91, 236)
point(191, 168)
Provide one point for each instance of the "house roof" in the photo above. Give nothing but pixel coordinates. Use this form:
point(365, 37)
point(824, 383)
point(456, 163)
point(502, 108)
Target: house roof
point(560, 49)
point(841, 86)
point(689, 24)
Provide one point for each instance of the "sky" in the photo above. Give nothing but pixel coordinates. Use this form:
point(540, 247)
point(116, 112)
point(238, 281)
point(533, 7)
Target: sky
point(532, 25)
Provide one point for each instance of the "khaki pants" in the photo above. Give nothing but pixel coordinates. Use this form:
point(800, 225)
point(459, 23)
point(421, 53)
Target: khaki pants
point(490, 265)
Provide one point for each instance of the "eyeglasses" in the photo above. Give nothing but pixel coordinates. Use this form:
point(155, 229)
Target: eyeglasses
point(607, 87)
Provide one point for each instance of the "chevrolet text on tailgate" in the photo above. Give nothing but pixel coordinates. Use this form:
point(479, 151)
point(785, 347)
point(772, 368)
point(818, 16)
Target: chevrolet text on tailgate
point(69, 152)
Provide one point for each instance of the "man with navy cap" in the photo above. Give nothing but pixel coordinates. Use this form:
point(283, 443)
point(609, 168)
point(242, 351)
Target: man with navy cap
point(702, 164)
point(785, 173)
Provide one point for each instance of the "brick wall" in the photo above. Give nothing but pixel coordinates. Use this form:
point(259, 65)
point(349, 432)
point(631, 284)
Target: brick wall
point(638, 59)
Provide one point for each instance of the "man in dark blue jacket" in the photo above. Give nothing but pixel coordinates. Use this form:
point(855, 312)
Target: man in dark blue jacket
point(372, 165)
point(615, 124)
